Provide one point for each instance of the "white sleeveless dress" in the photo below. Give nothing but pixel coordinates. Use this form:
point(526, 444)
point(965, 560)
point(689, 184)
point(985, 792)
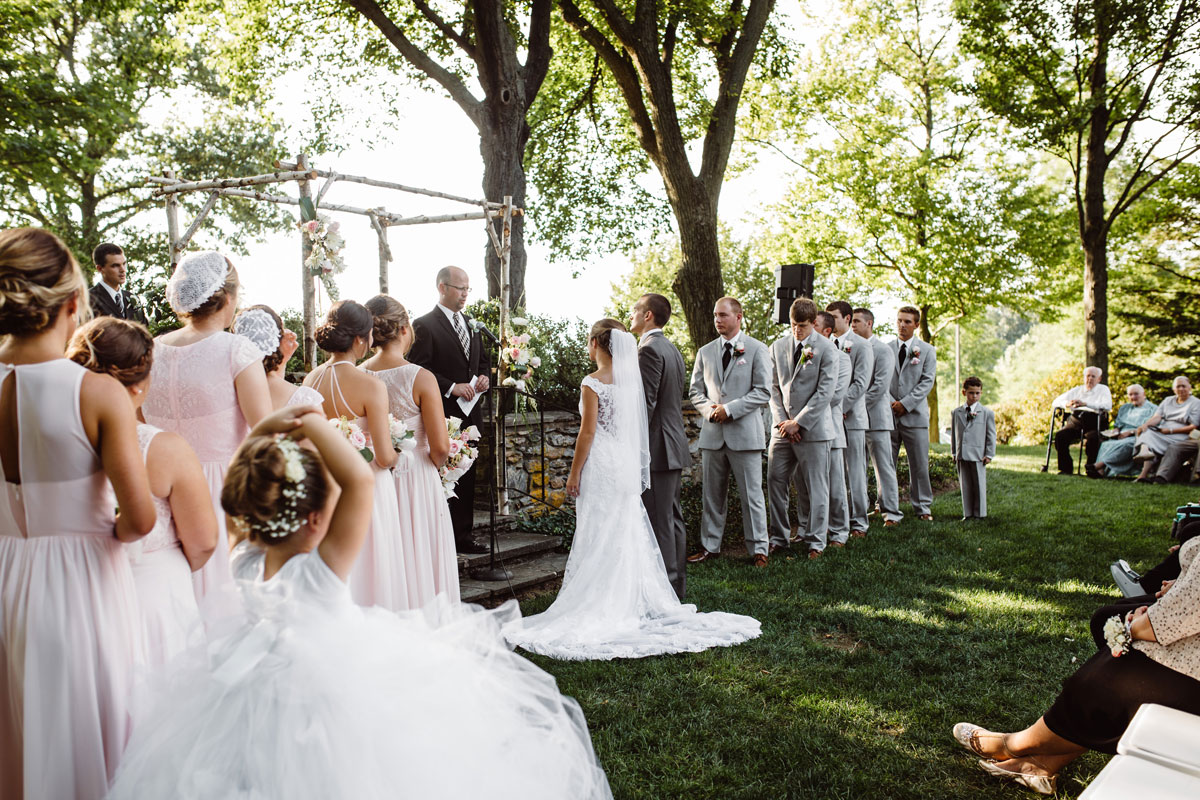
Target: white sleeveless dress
point(426, 531)
point(164, 580)
point(315, 697)
point(616, 601)
point(70, 632)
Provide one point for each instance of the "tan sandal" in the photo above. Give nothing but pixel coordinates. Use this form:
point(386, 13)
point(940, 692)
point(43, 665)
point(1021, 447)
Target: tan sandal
point(968, 735)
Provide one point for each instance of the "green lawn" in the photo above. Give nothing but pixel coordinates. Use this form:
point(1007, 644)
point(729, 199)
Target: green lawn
point(869, 655)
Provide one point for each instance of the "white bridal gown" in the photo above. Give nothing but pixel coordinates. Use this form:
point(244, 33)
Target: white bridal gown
point(616, 601)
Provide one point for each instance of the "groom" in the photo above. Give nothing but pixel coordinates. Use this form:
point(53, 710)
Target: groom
point(664, 380)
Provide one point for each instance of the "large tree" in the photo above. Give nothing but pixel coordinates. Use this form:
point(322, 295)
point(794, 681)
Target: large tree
point(1102, 84)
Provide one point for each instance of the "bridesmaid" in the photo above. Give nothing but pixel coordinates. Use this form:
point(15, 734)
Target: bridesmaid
point(263, 327)
point(207, 385)
point(185, 533)
point(380, 577)
point(69, 628)
point(427, 533)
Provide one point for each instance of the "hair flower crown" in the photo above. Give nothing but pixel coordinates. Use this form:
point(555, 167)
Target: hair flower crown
point(287, 519)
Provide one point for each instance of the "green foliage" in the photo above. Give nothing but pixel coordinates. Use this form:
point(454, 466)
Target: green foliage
point(1027, 420)
point(983, 343)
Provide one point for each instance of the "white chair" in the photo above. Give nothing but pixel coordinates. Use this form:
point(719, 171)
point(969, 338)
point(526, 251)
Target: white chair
point(1128, 777)
point(1165, 736)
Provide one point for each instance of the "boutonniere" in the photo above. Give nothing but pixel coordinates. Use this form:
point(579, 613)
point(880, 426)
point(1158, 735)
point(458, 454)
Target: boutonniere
point(916, 355)
point(846, 348)
point(739, 349)
point(971, 415)
point(805, 356)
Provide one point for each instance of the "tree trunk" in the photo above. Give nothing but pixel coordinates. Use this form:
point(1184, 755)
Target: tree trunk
point(503, 148)
point(1093, 225)
point(699, 283)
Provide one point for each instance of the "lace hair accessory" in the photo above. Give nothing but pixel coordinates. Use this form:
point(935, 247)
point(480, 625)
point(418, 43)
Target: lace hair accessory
point(197, 278)
point(287, 519)
point(258, 326)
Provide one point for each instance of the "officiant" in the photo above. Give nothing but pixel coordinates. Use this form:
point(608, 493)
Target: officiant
point(446, 345)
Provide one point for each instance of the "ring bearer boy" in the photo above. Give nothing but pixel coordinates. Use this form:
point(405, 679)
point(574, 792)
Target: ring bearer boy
point(730, 388)
point(973, 443)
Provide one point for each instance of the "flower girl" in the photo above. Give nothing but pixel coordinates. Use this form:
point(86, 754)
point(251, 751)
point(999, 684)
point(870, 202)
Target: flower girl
point(185, 533)
point(427, 533)
point(315, 697)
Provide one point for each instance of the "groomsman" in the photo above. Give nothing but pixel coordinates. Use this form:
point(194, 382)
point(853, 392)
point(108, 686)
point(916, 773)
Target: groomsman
point(730, 389)
point(445, 344)
point(879, 418)
point(916, 370)
point(664, 379)
point(107, 297)
point(839, 510)
point(804, 371)
point(854, 410)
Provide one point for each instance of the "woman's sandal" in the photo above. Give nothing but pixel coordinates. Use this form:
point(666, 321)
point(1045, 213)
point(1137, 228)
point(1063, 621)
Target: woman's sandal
point(968, 735)
point(1042, 784)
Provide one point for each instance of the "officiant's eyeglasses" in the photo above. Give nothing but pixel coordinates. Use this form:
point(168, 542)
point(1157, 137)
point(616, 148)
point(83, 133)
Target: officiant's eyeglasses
point(463, 289)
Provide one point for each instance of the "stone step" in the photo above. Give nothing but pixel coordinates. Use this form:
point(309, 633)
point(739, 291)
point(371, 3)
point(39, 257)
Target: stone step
point(481, 520)
point(512, 547)
point(541, 569)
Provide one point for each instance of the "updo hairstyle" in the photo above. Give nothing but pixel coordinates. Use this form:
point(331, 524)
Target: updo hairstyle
point(390, 318)
point(271, 361)
point(114, 347)
point(38, 273)
point(254, 484)
point(602, 333)
point(345, 321)
point(219, 298)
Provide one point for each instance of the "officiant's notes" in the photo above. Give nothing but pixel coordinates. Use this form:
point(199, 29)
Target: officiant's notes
point(467, 405)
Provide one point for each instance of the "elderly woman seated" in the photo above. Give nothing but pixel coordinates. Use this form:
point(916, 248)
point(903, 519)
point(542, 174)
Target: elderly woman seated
point(1176, 417)
point(1116, 451)
point(1156, 660)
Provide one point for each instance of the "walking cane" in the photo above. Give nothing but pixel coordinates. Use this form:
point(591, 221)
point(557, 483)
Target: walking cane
point(1054, 417)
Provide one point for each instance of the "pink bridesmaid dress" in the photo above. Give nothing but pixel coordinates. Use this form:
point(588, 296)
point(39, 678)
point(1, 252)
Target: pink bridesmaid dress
point(192, 393)
point(70, 633)
point(380, 575)
point(164, 580)
point(426, 532)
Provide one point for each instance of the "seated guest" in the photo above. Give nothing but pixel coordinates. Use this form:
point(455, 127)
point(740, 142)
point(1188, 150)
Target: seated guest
point(1084, 406)
point(1160, 665)
point(1177, 457)
point(1116, 452)
point(1176, 417)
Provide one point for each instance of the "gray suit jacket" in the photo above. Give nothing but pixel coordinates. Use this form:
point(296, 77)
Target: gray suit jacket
point(911, 383)
point(744, 389)
point(664, 378)
point(803, 392)
point(972, 439)
point(839, 394)
point(862, 364)
point(879, 396)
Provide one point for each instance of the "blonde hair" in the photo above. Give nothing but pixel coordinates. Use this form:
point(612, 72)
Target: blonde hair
point(38, 274)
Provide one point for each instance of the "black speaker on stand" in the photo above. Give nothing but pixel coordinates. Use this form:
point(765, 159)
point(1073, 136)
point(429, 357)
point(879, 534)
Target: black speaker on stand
point(791, 281)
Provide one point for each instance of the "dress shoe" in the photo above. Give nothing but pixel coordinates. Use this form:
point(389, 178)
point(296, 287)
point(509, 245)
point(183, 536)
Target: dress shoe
point(837, 544)
point(1092, 472)
point(1159, 479)
point(926, 518)
point(859, 534)
point(1042, 784)
point(470, 547)
point(968, 735)
point(814, 554)
point(702, 555)
point(1126, 579)
point(890, 523)
point(1065, 472)
point(1143, 454)
point(760, 560)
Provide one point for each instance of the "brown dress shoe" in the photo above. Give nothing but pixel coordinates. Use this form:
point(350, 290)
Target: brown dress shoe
point(760, 560)
point(702, 555)
point(859, 534)
point(812, 554)
point(837, 544)
point(926, 518)
point(890, 523)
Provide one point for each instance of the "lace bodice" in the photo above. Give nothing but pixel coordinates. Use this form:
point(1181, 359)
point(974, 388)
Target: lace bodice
point(605, 413)
point(192, 393)
point(163, 534)
point(305, 396)
point(399, 382)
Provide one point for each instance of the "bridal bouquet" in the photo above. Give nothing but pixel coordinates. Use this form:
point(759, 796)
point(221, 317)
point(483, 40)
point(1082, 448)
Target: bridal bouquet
point(404, 439)
point(462, 454)
point(325, 259)
point(517, 361)
point(1117, 636)
point(354, 435)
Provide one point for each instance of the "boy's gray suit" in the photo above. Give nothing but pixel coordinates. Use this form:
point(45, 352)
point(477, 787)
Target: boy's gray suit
point(801, 392)
point(854, 407)
point(736, 445)
point(911, 385)
point(971, 441)
point(879, 428)
point(664, 379)
point(839, 512)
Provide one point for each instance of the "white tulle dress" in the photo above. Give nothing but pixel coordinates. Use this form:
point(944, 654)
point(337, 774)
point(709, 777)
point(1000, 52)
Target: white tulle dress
point(314, 697)
point(616, 601)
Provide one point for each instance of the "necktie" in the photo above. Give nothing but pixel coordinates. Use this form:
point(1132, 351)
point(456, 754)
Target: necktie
point(463, 339)
point(121, 304)
point(799, 351)
point(838, 342)
point(727, 357)
point(903, 353)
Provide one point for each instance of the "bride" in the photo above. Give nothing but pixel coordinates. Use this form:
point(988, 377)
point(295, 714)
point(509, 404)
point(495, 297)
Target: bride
point(616, 601)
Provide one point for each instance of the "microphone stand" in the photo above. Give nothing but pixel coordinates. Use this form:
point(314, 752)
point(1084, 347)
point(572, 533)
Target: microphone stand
point(492, 572)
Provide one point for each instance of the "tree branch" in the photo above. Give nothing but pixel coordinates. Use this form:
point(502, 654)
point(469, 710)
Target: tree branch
point(464, 44)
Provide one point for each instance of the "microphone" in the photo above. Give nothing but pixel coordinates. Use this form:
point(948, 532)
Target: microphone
point(479, 327)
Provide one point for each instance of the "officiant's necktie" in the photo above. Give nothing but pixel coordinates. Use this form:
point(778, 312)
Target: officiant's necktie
point(725, 359)
point(463, 339)
point(903, 353)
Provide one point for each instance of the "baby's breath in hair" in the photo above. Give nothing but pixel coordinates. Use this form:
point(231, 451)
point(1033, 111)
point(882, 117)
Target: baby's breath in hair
point(287, 520)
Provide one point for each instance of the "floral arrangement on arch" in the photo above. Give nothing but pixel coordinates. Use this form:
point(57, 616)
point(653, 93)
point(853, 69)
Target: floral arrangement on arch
point(325, 260)
point(462, 454)
point(517, 361)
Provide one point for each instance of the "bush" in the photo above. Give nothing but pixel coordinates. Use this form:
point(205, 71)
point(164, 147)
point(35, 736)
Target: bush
point(1006, 421)
point(1031, 415)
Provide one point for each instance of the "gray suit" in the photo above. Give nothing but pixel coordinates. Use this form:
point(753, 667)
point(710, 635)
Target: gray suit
point(854, 407)
point(911, 385)
point(879, 429)
point(734, 446)
point(971, 441)
point(664, 378)
point(802, 392)
point(839, 511)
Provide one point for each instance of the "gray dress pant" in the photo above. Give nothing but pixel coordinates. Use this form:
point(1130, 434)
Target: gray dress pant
point(972, 480)
point(1178, 453)
point(662, 505)
point(855, 457)
point(916, 444)
point(746, 468)
point(879, 448)
point(809, 461)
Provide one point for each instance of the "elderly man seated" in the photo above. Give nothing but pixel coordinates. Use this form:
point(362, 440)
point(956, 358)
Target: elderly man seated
point(1177, 416)
point(1116, 451)
point(1084, 406)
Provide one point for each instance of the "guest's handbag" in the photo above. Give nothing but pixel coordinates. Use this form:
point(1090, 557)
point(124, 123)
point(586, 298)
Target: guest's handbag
point(1187, 522)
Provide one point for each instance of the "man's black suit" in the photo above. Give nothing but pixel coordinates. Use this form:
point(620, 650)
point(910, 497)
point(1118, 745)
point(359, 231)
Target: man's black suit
point(436, 347)
point(103, 305)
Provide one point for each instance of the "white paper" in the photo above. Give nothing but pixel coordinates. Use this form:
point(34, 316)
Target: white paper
point(467, 405)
